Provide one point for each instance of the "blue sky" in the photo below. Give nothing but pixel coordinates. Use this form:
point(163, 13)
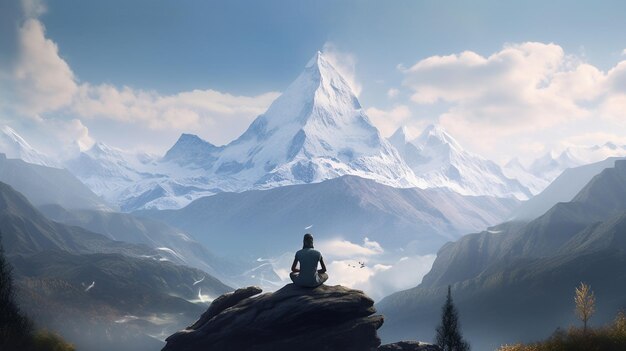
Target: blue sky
point(250, 47)
point(241, 54)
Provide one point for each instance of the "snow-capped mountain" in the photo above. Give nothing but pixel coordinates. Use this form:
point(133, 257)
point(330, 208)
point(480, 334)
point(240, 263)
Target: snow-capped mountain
point(133, 181)
point(14, 146)
point(551, 165)
point(192, 152)
point(515, 170)
point(440, 161)
point(316, 130)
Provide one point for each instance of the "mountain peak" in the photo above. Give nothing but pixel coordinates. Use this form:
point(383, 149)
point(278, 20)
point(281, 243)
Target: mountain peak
point(315, 60)
point(435, 135)
point(100, 148)
point(186, 138)
point(319, 98)
point(401, 135)
point(515, 163)
point(191, 149)
point(315, 130)
point(14, 146)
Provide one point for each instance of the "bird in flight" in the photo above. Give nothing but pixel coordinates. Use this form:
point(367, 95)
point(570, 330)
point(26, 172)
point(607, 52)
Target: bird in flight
point(90, 286)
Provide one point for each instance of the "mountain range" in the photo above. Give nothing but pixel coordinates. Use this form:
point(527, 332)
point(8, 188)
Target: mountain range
point(412, 219)
point(515, 281)
point(97, 292)
point(552, 164)
point(437, 158)
point(315, 131)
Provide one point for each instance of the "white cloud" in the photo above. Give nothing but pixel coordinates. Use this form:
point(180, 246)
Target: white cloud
point(405, 273)
point(367, 267)
point(508, 90)
point(71, 133)
point(387, 121)
point(43, 81)
point(514, 98)
point(345, 63)
point(348, 273)
point(624, 52)
point(338, 248)
point(33, 8)
point(42, 86)
point(219, 116)
point(393, 93)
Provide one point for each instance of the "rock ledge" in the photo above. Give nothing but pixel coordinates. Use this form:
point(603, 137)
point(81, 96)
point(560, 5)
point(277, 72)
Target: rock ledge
point(292, 318)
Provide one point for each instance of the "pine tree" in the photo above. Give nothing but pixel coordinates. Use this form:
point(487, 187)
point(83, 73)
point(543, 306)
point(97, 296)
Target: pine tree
point(15, 328)
point(448, 333)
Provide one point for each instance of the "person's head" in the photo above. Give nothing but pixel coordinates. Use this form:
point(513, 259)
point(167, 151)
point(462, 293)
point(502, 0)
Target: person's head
point(307, 241)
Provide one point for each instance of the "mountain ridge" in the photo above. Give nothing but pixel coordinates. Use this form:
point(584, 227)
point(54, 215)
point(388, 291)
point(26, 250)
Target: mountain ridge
point(526, 268)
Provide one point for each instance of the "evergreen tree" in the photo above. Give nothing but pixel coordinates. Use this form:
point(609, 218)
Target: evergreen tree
point(449, 331)
point(15, 328)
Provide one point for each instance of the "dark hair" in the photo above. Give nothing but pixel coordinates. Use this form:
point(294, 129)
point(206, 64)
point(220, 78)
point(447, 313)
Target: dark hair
point(307, 241)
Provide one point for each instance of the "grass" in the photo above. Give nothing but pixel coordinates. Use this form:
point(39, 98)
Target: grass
point(608, 338)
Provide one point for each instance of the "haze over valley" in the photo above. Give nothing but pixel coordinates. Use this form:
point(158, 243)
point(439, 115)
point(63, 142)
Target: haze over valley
point(133, 195)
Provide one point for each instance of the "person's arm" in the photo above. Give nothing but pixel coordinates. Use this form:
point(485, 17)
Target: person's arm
point(323, 270)
point(294, 264)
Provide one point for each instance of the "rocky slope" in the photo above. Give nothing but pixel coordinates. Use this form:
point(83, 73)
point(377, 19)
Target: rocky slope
point(292, 318)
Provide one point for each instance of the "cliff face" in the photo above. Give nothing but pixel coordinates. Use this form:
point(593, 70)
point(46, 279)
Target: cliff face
point(292, 318)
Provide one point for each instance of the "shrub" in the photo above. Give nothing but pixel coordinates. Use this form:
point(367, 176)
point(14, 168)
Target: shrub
point(609, 338)
point(44, 340)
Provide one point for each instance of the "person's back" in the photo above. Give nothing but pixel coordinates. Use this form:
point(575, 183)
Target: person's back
point(308, 257)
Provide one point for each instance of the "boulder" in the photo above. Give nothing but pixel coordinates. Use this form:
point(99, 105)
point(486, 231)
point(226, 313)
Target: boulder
point(292, 318)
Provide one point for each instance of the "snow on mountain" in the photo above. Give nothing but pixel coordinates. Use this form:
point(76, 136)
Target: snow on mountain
point(316, 130)
point(440, 161)
point(191, 151)
point(14, 146)
point(551, 165)
point(515, 170)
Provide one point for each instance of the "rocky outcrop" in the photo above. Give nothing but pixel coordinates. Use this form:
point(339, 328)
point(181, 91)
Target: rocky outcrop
point(292, 318)
point(409, 346)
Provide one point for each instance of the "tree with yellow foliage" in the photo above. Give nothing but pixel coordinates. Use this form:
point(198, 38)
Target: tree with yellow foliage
point(585, 303)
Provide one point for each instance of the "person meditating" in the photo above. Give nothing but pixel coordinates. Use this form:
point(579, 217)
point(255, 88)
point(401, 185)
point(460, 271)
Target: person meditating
point(308, 275)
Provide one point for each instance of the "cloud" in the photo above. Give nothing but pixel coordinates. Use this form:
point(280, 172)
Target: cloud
point(338, 248)
point(37, 83)
point(345, 63)
point(508, 90)
point(204, 110)
point(43, 81)
point(405, 273)
point(381, 274)
point(387, 121)
point(516, 96)
point(393, 93)
point(33, 8)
